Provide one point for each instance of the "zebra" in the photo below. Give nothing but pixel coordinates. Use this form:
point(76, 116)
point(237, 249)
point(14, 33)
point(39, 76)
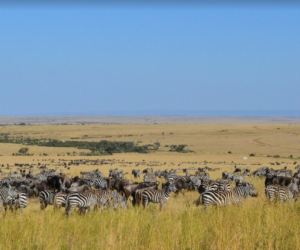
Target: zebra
point(216, 185)
point(227, 176)
point(202, 170)
point(59, 200)
point(40, 177)
point(205, 187)
point(283, 193)
point(223, 184)
point(83, 201)
point(46, 198)
point(118, 200)
point(106, 197)
point(259, 173)
point(239, 177)
point(208, 186)
point(196, 181)
point(6, 196)
point(174, 177)
point(139, 193)
point(19, 201)
point(158, 196)
point(100, 183)
point(224, 197)
point(51, 173)
point(136, 173)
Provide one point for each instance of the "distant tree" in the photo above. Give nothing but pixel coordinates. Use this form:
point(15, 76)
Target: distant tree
point(23, 151)
point(156, 145)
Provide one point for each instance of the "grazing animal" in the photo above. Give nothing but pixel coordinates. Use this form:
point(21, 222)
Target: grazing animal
point(224, 197)
point(84, 201)
point(158, 196)
point(100, 183)
point(19, 201)
point(46, 198)
point(59, 200)
point(284, 193)
point(6, 196)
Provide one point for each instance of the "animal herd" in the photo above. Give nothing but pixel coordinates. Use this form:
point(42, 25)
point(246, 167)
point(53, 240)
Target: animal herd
point(93, 190)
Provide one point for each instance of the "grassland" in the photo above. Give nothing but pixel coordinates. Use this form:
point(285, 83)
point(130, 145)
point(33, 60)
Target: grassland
point(255, 224)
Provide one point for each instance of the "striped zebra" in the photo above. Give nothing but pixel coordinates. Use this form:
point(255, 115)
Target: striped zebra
point(59, 200)
point(224, 197)
point(205, 187)
point(215, 185)
point(208, 186)
point(139, 193)
point(227, 176)
point(283, 193)
point(46, 198)
point(84, 201)
point(223, 185)
point(174, 177)
point(100, 183)
point(205, 177)
point(20, 201)
point(108, 197)
point(6, 196)
point(158, 196)
point(40, 177)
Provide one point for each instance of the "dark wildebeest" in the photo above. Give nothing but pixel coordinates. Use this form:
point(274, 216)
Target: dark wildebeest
point(131, 189)
point(281, 180)
point(56, 183)
point(180, 185)
point(119, 185)
point(79, 189)
point(237, 170)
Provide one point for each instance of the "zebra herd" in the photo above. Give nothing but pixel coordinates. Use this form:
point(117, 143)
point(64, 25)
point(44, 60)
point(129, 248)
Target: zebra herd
point(92, 190)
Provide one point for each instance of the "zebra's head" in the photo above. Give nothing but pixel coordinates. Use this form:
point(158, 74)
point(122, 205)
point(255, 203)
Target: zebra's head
point(251, 190)
point(171, 186)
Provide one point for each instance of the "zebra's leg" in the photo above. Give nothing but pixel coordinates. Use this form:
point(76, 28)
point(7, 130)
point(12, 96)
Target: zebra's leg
point(145, 202)
point(92, 207)
point(69, 210)
point(108, 205)
point(162, 204)
point(198, 201)
point(116, 206)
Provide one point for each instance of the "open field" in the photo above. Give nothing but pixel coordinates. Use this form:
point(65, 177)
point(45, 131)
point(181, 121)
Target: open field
point(255, 224)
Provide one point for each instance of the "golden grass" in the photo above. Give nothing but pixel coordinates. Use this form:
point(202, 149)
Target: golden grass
point(256, 224)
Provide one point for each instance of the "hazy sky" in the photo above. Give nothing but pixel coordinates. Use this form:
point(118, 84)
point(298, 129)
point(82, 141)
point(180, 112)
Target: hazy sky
point(104, 60)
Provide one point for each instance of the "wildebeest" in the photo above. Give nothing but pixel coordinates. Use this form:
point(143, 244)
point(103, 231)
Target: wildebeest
point(119, 185)
point(79, 189)
point(131, 189)
point(180, 185)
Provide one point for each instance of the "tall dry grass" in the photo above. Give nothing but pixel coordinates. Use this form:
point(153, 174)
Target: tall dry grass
point(255, 224)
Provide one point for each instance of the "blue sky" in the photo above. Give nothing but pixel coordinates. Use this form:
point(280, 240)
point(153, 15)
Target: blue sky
point(148, 60)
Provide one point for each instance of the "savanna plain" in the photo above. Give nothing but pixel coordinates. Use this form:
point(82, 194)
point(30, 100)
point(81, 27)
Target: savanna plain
point(254, 224)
